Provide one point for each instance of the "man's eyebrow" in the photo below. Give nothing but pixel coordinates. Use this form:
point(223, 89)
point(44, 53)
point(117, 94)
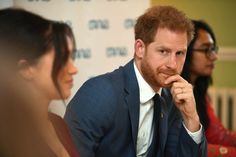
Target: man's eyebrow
point(169, 49)
point(183, 50)
point(164, 47)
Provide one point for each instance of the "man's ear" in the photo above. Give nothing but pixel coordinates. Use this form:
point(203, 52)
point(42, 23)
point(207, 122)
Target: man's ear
point(25, 69)
point(139, 48)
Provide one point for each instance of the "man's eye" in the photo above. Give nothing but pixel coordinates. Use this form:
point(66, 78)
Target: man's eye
point(180, 53)
point(163, 51)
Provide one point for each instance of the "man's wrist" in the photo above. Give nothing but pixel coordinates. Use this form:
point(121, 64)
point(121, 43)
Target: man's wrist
point(192, 123)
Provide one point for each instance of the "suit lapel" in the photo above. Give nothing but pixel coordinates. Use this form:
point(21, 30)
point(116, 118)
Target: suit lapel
point(132, 99)
point(133, 107)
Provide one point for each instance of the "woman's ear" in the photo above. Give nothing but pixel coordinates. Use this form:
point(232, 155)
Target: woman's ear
point(25, 69)
point(139, 48)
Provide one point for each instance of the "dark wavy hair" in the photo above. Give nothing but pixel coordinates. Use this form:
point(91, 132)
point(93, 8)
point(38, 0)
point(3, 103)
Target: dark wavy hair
point(61, 31)
point(25, 35)
point(203, 82)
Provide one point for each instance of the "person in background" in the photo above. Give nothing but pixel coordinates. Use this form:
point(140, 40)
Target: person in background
point(121, 113)
point(198, 68)
point(36, 67)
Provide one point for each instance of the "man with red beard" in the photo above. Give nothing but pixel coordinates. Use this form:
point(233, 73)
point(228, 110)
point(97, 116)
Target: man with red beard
point(121, 114)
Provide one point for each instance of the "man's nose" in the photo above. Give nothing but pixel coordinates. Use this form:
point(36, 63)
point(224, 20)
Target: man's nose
point(172, 62)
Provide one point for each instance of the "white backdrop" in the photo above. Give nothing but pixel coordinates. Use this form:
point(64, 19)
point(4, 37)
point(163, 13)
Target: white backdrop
point(6, 3)
point(103, 30)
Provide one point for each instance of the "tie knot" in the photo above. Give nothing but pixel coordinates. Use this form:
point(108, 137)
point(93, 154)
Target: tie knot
point(156, 99)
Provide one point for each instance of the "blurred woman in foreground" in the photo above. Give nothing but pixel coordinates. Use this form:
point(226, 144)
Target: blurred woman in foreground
point(36, 67)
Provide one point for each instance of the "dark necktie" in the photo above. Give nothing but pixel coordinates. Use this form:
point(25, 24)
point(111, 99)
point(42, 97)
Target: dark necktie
point(155, 145)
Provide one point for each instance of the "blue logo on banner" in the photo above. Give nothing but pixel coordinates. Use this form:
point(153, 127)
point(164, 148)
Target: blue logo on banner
point(129, 23)
point(83, 53)
point(98, 24)
point(116, 51)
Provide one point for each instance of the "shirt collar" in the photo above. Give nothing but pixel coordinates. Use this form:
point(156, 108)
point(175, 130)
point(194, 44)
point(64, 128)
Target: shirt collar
point(145, 90)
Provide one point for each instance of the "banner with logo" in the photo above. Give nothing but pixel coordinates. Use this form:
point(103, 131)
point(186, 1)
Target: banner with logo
point(103, 30)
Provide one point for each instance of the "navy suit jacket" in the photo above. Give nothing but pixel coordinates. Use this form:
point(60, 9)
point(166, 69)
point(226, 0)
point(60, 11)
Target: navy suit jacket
point(103, 118)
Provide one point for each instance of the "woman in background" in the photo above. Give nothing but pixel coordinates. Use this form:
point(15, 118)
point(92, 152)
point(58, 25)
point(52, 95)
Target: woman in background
point(36, 67)
point(198, 68)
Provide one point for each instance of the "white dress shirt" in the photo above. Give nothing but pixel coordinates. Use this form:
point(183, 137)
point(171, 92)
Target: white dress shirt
point(145, 131)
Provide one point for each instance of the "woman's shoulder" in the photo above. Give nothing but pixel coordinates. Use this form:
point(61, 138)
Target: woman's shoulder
point(63, 134)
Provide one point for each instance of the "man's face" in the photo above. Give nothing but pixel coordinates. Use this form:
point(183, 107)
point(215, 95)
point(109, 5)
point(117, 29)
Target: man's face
point(162, 58)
